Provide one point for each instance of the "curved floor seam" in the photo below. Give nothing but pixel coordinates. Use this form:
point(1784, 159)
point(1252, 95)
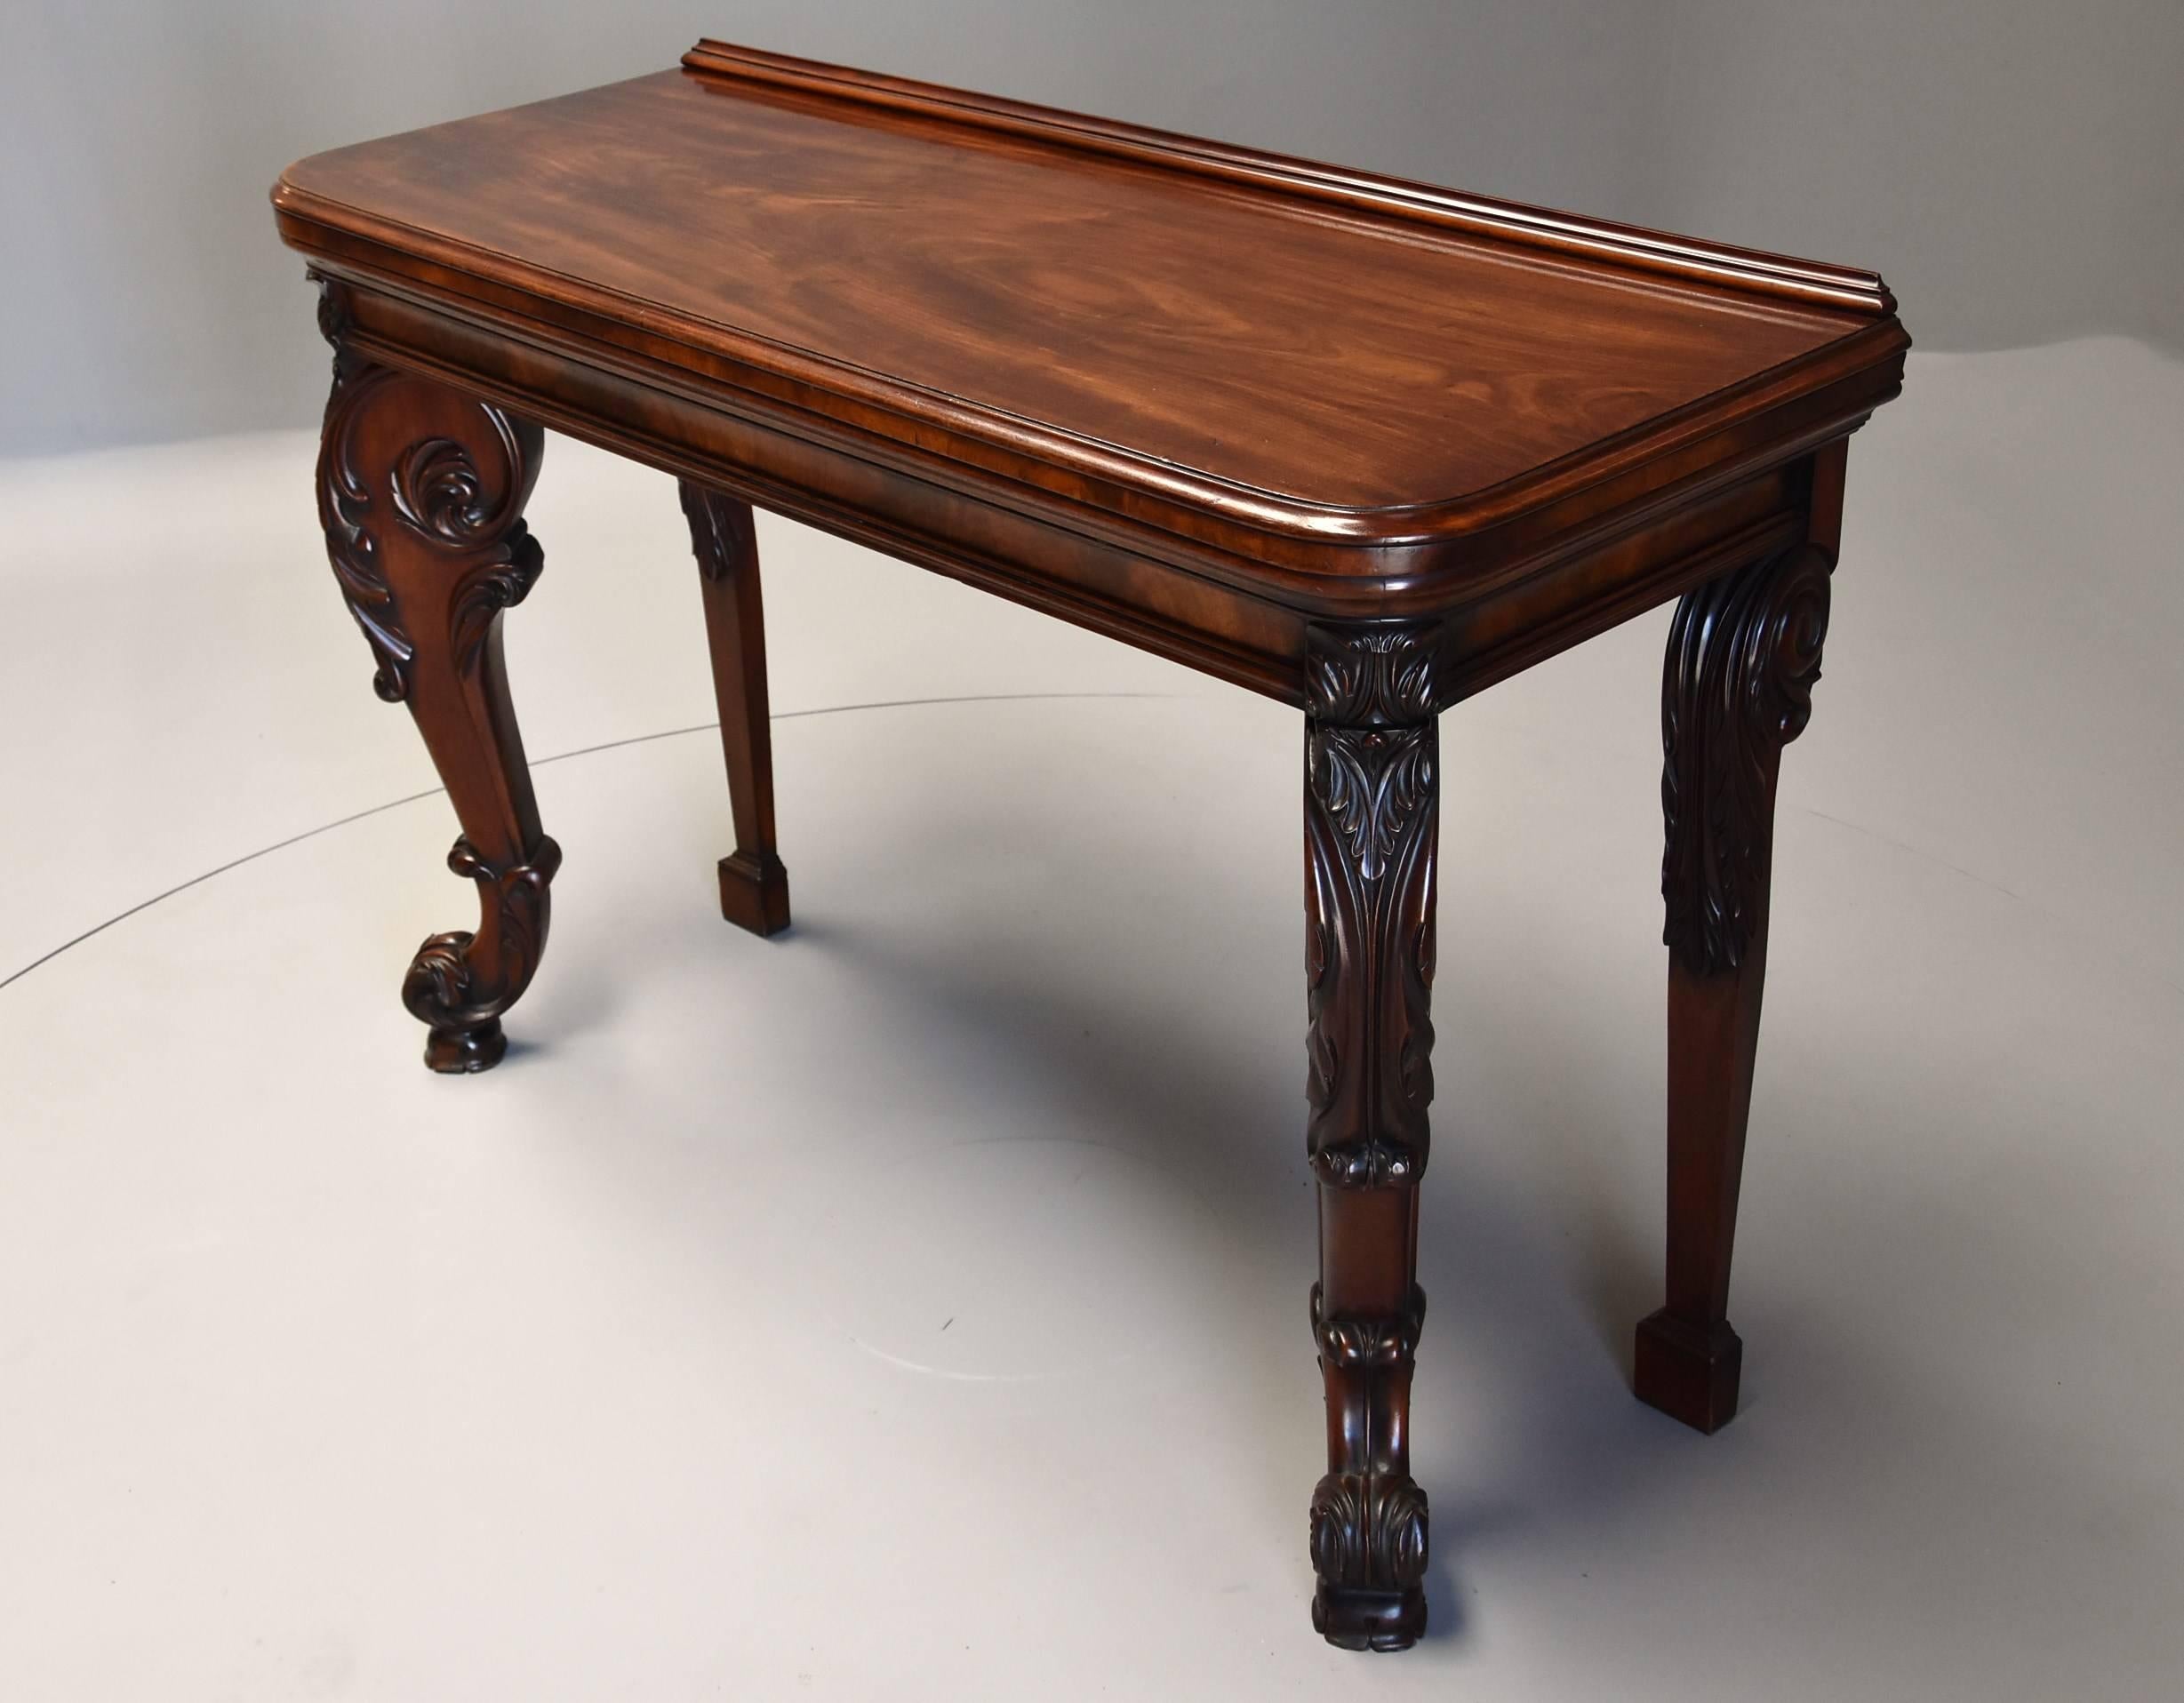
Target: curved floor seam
point(540, 763)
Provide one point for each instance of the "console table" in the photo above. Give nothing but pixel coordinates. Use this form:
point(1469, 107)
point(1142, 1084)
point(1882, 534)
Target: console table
point(1363, 446)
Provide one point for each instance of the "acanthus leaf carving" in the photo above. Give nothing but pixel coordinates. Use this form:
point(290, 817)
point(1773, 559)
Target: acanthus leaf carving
point(493, 586)
point(1371, 826)
point(436, 492)
point(1372, 782)
point(1369, 1531)
point(1371, 1344)
point(1743, 655)
point(1381, 674)
point(345, 513)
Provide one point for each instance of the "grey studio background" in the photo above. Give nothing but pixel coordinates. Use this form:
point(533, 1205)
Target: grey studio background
point(915, 1306)
point(2012, 166)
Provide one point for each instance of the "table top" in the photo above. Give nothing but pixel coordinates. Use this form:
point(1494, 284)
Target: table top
point(1136, 318)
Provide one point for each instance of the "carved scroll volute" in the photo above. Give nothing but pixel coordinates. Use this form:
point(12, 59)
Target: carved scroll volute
point(1372, 829)
point(461, 982)
point(1744, 651)
point(453, 473)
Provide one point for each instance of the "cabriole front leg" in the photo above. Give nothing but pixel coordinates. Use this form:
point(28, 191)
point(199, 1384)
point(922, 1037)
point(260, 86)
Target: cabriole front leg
point(422, 491)
point(1743, 653)
point(1371, 811)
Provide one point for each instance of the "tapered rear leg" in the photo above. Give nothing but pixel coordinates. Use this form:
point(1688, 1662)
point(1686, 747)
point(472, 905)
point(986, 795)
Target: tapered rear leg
point(422, 491)
point(754, 886)
point(1743, 655)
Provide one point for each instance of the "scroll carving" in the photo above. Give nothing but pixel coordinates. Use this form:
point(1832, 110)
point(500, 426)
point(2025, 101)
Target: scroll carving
point(720, 530)
point(1743, 655)
point(460, 983)
point(439, 494)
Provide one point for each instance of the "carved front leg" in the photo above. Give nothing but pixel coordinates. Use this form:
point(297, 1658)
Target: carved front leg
point(422, 491)
point(1743, 655)
point(1372, 813)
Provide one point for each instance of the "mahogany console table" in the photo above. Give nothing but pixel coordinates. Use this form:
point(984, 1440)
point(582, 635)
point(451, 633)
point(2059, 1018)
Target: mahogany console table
point(1362, 445)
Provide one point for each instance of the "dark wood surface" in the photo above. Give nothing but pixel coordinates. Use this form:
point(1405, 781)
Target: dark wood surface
point(1371, 832)
point(1743, 656)
point(1365, 446)
point(754, 886)
point(1007, 284)
point(1334, 392)
point(421, 493)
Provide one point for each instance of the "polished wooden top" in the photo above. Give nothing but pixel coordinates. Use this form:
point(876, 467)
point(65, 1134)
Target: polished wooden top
point(1127, 318)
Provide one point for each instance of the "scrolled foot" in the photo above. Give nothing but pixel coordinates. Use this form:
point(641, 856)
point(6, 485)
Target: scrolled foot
point(1369, 1550)
point(460, 983)
point(1689, 1370)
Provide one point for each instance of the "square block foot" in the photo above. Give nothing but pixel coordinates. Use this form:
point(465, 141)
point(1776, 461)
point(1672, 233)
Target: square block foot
point(754, 892)
point(1688, 1371)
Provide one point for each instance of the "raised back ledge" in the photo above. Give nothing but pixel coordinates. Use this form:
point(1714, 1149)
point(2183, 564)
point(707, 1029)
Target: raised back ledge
point(1747, 270)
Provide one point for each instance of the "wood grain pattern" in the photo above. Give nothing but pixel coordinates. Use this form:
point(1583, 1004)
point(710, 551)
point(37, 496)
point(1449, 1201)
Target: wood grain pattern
point(1773, 275)
point(1338, 365)
point(1126, 307)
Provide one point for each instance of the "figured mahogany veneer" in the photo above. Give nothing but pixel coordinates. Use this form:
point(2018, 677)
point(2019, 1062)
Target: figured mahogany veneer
point(1363, 446)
